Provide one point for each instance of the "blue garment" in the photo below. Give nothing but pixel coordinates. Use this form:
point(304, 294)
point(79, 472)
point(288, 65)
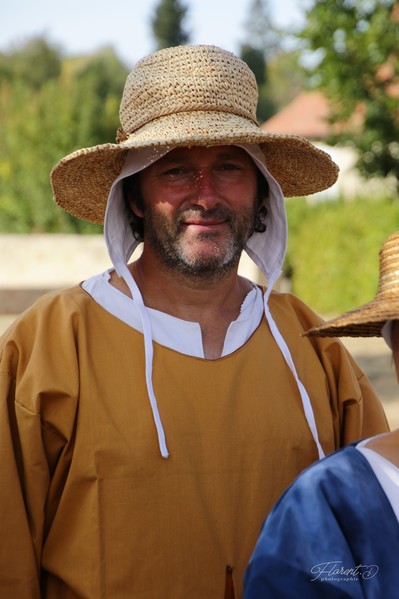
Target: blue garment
point(332, 534)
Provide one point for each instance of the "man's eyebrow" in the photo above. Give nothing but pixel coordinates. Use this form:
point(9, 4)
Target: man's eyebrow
point(232, 156)
point(172, 160)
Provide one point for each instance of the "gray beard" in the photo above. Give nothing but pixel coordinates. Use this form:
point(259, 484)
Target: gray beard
point(170, 249)
point(214, 268)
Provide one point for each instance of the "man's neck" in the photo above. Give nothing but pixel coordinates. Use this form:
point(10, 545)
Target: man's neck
point(386, 445)
point(212, 302)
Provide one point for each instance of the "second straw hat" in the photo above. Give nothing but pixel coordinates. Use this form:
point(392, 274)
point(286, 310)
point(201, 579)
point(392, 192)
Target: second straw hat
point(368, 320)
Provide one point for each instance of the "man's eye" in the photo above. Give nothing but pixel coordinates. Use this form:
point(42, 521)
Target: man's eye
point(174, 171)
point(230, 167)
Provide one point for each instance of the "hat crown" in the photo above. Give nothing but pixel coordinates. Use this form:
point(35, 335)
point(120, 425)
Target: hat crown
point(187, 79)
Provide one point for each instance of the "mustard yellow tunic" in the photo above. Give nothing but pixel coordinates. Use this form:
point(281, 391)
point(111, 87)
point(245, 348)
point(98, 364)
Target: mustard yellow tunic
point(88, 507)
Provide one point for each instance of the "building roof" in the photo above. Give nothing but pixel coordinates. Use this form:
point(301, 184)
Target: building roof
point(306, 115)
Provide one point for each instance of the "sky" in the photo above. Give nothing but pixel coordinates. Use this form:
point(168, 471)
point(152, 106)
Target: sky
point(83, 26)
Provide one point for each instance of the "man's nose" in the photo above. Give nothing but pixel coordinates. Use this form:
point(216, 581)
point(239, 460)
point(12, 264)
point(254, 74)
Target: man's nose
point(205, 188)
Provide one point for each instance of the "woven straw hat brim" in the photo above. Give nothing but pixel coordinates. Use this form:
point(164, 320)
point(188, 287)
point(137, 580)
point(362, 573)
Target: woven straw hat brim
point(81, 181)
point(366, 321)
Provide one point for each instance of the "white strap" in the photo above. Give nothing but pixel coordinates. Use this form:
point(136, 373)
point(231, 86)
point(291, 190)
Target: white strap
point(149, 353)
point(306, 403)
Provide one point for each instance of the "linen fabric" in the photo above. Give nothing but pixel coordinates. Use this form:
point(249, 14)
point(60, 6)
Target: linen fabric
point(333, 534)
point(182, 335)
point(90, 509)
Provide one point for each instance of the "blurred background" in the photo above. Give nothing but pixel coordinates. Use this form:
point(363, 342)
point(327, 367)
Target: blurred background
point(327, 70)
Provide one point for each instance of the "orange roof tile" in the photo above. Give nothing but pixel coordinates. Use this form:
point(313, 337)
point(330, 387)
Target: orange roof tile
point(305, 115)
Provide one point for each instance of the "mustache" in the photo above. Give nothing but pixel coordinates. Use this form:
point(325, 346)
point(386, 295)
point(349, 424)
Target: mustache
point(218, 212)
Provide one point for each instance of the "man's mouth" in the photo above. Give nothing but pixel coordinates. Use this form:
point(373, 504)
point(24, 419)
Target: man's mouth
point(205, 222)
point(205, 227)
point(211, 221)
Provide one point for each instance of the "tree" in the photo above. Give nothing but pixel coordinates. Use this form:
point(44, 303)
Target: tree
point(260, 45)
point(99, 80)
point(167, 24)
point(355, 62)
point(34, 62)
point(39, 125)
point(286, 76)
point(260, 32)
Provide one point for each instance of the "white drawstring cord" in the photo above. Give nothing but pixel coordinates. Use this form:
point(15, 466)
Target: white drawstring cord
point(149, 353)
point(306, 403)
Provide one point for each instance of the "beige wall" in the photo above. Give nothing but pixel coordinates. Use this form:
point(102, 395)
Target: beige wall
point(350, 184)
point(30, 265)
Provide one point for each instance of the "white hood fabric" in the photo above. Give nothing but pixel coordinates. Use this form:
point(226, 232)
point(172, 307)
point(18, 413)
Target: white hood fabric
point(266, 249)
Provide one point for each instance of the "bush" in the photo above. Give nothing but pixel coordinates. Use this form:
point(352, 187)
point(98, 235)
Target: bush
point(332, 257)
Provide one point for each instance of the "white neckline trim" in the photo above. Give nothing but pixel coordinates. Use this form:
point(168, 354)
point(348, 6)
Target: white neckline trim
point(177, 334)
point(386, 473)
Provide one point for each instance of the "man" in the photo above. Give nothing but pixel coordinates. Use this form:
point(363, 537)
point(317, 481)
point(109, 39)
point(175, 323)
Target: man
point(153, 414)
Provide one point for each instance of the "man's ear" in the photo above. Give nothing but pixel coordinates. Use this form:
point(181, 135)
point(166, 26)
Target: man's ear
point(134, 205)
point(133, 195)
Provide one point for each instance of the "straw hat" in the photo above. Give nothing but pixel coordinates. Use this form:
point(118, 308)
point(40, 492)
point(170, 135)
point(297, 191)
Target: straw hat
point(368, 320)
point(187, 96)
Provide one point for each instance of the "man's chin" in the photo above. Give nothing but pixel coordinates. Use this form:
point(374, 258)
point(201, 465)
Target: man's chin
point(207, 266)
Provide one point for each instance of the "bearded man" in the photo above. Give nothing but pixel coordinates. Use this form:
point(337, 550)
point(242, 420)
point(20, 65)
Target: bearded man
point(151, 416)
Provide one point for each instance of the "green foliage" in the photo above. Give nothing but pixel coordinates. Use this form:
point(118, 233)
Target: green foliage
point(262, 42)
point(256, 62)
point(167, 24)
point(33, 63)
point(332, 256)
point(286, 78)
point(44, 119)
point(356, 44)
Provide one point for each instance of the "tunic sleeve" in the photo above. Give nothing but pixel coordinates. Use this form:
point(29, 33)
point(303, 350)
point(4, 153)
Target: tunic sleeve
point(300, 538)
point(354, 407)
point(21, 516)
point(356, 410)
point(326, 538)
point(366, 417)
point(36, 407)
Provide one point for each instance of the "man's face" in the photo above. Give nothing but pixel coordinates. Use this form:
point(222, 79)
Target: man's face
point(198, 206)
